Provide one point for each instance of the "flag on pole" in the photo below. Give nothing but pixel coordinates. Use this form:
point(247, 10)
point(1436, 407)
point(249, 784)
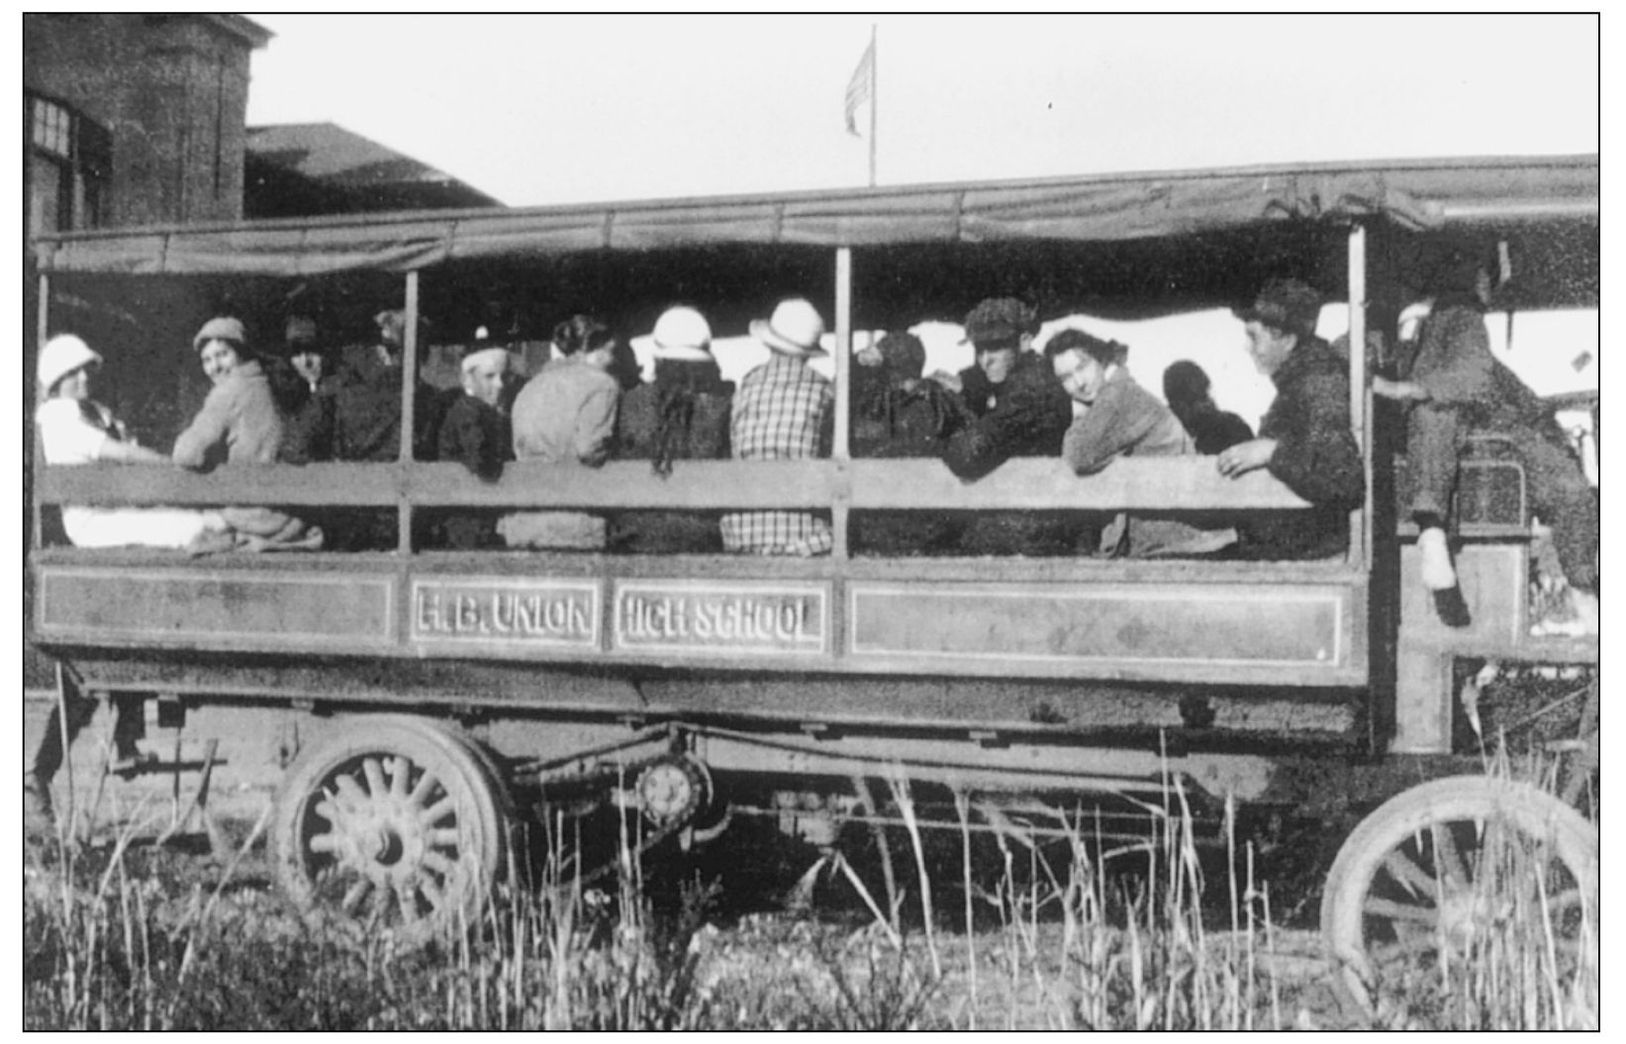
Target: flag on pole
point(861, 86)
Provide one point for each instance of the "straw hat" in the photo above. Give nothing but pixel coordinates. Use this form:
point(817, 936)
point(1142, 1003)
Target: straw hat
point(794, 329)
point(683, 334)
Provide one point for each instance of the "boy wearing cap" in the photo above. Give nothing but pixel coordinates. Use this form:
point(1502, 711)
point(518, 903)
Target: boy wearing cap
point(1304, 438)
point(475, 433)
point(782, 412)
point(309, 405)
point(1018, 409)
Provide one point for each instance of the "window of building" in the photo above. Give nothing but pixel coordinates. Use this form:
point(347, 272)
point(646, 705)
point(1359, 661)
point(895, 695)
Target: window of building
point(69, 160)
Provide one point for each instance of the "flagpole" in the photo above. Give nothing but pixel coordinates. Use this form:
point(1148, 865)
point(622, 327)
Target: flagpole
point(874, 99)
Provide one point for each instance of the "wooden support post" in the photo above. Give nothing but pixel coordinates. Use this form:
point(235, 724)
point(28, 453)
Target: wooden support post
point(1360, 536)
point(409, 396)
point(841, 448)
point(41, 331)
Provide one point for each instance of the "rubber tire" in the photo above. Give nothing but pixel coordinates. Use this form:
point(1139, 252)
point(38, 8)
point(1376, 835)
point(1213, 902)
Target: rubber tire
point(465, 773)
point(1531, 811)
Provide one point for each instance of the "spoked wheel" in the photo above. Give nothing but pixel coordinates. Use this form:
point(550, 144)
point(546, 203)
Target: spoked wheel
point(398, 823)
point(1425, 882)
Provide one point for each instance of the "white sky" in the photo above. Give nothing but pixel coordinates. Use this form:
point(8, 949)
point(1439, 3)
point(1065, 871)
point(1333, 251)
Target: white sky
point(538, 109)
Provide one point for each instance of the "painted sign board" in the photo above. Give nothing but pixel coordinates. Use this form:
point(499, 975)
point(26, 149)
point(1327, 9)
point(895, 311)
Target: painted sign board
point(534, 611)
point(735, 616)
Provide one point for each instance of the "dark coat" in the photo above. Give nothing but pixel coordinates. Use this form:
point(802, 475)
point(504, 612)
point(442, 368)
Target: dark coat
point(1024, 417)
point(367, 410)
point(1316, 457)
point(1027, 416)
point(894, 421)
point(474, 434)
point(638, 437)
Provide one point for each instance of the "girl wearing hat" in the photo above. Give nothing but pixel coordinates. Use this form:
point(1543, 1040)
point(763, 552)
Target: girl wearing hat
point(682, 415)
point(239, 423)
point(76, 429)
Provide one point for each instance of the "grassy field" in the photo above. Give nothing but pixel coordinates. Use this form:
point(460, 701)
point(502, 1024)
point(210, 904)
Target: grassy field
point(127, 936)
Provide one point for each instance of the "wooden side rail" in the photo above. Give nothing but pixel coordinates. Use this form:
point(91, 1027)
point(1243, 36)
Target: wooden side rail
point(1026, 484)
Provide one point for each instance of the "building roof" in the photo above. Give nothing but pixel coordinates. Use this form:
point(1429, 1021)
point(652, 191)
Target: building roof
point(256, 35)
point(332, 158)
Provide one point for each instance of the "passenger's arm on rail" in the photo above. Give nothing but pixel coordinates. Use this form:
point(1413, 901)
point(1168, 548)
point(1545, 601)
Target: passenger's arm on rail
point(1105, 430)
point(1030, 419)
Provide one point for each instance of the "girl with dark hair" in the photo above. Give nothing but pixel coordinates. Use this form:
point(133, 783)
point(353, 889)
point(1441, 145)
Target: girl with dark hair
point(682, 415)
point(566, 414)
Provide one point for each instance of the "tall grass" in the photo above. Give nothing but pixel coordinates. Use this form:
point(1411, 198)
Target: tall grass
point(1068, 931)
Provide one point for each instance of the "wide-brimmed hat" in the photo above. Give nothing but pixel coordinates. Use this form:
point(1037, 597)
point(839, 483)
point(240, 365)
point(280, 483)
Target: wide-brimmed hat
point(682, 334)
point(794, 328)
point(221, 328)
point(998, 320)
point(62, 355)
point(1286, 304)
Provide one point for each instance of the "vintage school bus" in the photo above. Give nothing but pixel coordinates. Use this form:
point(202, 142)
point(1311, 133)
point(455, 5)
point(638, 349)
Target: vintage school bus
point(695, 686)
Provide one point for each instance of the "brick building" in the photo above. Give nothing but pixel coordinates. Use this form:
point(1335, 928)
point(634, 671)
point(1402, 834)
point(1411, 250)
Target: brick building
point(135, 119)
point(128, 119)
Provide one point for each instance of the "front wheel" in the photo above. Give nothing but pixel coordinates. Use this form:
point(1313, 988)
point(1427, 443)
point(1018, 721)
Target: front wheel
point(394, 822)
point(1423, 886)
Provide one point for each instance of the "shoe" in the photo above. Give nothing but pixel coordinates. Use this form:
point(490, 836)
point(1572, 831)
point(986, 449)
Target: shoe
point(1437, 572)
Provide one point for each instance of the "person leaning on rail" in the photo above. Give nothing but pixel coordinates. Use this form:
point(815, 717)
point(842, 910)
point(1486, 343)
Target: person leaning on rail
point(896, 413)
point(307, 400)
point(683, 414)
point(1304, 438)
point(367, 408)
point(475, 433)
point(566, 415)
point(782, 412)
point(76, 429)
point(240, 425)
point(1119, 418)
point(1018, 410)
point(1454, 389)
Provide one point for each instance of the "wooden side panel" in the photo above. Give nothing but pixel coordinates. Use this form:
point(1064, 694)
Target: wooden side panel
point(216, 607)
point(1145, 624)
point(729, 615)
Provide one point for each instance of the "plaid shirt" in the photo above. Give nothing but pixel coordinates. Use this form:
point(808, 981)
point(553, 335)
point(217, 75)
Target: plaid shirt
point(781, 412)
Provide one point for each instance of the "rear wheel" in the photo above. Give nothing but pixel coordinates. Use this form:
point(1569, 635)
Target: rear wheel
point(398, 823)
point(1426, 880)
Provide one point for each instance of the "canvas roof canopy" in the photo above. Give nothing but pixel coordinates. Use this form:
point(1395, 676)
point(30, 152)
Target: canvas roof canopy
point(1418, 195)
